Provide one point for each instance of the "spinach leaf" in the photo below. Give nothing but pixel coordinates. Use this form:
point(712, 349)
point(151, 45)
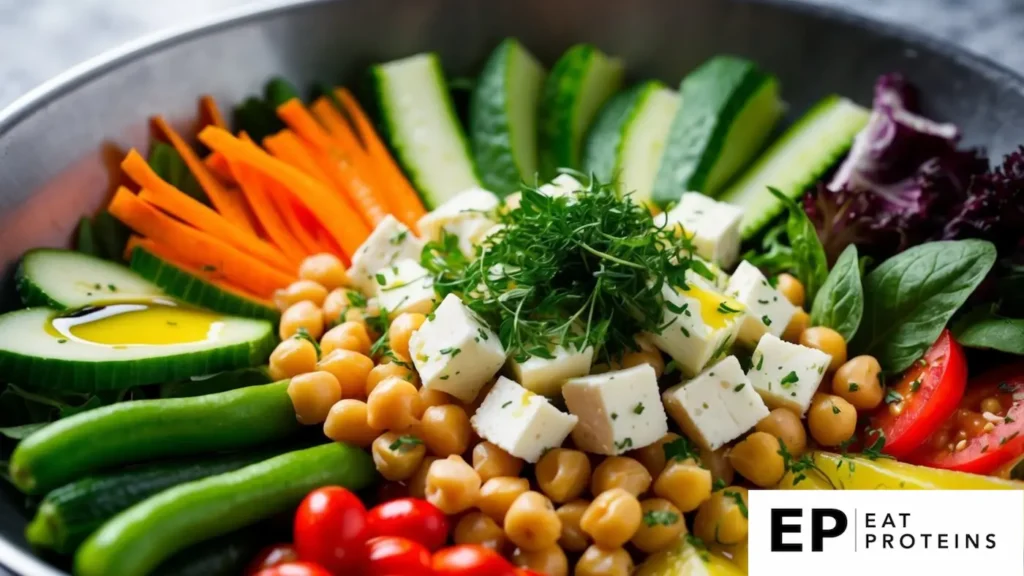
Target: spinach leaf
point(982, 328)
point(839, 304)
point(909, 298)
point(809, 262)
point(775, 256)
point(169, 165)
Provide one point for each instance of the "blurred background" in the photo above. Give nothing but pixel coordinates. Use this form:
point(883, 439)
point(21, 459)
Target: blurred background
point(41, 38)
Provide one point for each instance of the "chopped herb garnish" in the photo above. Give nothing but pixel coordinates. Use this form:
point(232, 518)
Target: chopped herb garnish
point(915, 385)
point(626, 443)
point(679, 449)
point(61, 340)
point(718, 484)
point(303, 334)
point(506, 404)
point(1006, 388)
point(739, 387)
point(445, 377)
point(766, 320)
point(1006, 439)
point(112, 287)
point(836, 410)
point(893, 396)
point(381, 279)
point(760, 362)
point(762, 302)
point(639, 408)
point(398, 237)
point(854, 387)
point(615, 416)
point(453, 351)
point(724, 308)
point(173, 323)
point(738, 499)
point(789, 379)
point(1008, 420)
point(404, 443)
point(356, 298)
point(660, 518)
point(482, 334)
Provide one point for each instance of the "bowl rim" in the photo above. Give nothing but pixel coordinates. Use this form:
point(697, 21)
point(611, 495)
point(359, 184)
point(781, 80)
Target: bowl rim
point(36, 99)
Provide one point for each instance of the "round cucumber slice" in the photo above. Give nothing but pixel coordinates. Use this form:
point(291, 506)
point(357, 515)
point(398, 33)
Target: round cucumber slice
point(64, 279)
point(31, 355)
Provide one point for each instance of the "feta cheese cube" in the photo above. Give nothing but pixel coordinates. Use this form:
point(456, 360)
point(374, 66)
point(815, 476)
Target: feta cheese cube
point(713, 227)
point(787, 375)
point(520, 422)
point(546, 376)
point(405, 286)
point(466, 216)
point(390, 242)
point(717, 406)
point(768, 311)
point(618, 411)
point(699, 325)
point(455, 352)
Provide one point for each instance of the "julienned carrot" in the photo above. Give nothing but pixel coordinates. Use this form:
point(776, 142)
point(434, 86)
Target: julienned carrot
point(199, 249)
point(295, 115)
point(339, 129)
point(299, 221)
point(182, 206)
point(405, 202)
point(336, 215)
point(228, 202)
point(218, 164)
point(210, 113)
point(266, 212)
point(287, 146)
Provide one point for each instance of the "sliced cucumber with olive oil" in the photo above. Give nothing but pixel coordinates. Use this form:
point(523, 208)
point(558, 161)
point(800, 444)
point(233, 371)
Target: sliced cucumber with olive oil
point(125, 345)
point(503, 118)
point(65, 279)
point(796, 161)
point(730, 109)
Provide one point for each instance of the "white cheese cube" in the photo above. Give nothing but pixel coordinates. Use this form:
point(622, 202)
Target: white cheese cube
point(546, 376)
point(712, 226)
point(787, 375)
point(405, 286)
point(390, 242)
point(699, 326)
point(467, 216)
point(768, 311)
point(454, 352)
point(717, 406)
point(618, 411)
point(520, 422)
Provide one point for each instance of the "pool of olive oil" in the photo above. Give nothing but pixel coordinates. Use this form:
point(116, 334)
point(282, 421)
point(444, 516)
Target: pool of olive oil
point(153, 322)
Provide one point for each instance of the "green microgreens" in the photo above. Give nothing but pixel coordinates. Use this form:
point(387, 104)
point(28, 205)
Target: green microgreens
point(303, 334)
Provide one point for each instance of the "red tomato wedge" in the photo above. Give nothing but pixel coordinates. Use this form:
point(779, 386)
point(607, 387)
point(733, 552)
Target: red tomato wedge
point(987, 429)
point(929, 392)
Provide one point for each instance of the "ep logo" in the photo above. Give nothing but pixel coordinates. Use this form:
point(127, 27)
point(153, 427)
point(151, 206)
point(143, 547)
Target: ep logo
point(822, 522)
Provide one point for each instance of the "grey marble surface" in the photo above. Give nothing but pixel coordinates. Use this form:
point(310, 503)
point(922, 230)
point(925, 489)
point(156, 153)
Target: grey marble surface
point(41, 38)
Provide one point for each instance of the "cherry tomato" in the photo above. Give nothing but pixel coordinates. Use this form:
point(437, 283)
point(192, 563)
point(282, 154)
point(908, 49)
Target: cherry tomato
point(928, 394)
point(330, 529)
point(471, 560)
point(527, 572)
point(987, 429)
point(294, 569)
point(411, 518)
point(270, 556)
point(397, 556)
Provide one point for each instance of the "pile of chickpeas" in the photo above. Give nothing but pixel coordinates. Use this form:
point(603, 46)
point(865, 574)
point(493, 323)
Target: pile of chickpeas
point(597, 510)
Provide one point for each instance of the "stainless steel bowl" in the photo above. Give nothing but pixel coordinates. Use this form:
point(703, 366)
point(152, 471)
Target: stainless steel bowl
point(59, 145)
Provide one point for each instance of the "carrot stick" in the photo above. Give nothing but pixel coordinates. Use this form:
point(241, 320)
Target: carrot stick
point(336, 125)
point(210, 113)
point(182, 206)
point(199, 249)
point(299, 221)
point(228, 202)
point(218, 164)
point(334, 213)
point(287, 146)
point(295, 115)
point(405, 202)
point(266, 212)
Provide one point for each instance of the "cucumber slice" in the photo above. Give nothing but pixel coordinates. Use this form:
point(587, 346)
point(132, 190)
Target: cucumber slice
point(64, 279)
point(796, 161)
point(503, 118)
point(420, 123)
point(628, 137)
point(34, 356)
point(731, 109)
point(579, 84)
point(192, 289)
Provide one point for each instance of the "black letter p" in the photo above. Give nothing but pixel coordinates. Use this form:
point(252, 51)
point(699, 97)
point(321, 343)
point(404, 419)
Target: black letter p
point(818, 531)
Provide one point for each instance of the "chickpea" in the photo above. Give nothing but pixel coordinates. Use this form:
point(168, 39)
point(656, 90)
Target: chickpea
point(337, 307)
point(313, 395)
point(346, 422)
point(598, 561)
point(498, 493)
point(797, 324)
point(573, 538)
point(297, 292)
point(685, 484)
point(386, 370)
point(612, 518)
point(325, 269)
point(620, 472)
point(858, 383)
point(490, 461)
point(397, 457)
point(417, 483)
point(791, 288)
point(531, 522)
point(563, 474)
point(550, 560)
point(717, 462)
point(831, 419)
point(828, 341)
point(393, 405)
point(478, 528)
point(293, 356)
point(444, 429)
point(663, 524)
point(787, 427)
point(401, 330)
point(434, 397)
point(723, 518)
point(452, 485)
point(346, 336)
point(652, 456)
point(757, 458)
point(350, 368)
point(300, 315)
